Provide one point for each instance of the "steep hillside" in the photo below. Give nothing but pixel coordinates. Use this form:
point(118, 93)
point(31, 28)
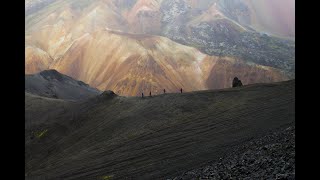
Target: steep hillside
point(158, 137)
point(36, 60)
point(215, 32)
point(145, 17)
point(93, 40)
point(143, 63)
point(52, 84)
point(269, 157)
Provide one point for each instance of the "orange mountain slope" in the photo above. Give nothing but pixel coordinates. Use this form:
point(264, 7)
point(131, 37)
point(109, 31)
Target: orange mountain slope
point(130, 64)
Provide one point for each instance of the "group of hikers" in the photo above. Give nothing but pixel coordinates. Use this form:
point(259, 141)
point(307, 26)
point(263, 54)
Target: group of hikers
point(164, 91)
point(235, 83)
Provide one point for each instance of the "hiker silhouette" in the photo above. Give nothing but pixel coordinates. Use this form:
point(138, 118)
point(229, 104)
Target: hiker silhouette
point(181, 90)
point(164, 91)
point(142, 95)
point(150, 93)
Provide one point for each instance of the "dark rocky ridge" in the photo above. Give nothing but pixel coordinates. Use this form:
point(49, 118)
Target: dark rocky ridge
point(52, 84)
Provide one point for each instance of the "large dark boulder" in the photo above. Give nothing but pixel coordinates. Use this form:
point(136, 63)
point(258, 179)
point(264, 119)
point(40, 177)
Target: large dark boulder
point(108, 93)
point(236, 82)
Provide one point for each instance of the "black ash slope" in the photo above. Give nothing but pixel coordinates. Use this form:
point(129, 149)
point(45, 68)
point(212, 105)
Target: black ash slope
point(52, 84)
point(154, 137)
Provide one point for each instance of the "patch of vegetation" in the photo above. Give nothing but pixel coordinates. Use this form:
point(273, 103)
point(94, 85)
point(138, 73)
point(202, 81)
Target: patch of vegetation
point(41, 134)
point(107, 177)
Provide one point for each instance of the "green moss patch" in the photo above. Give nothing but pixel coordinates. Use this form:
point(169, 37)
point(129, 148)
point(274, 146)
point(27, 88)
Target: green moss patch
point(41, 134)
point(107, 177)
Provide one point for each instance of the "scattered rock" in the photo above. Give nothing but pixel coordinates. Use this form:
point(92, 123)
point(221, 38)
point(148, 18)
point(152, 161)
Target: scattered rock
point(108, 93)
point(265, 158)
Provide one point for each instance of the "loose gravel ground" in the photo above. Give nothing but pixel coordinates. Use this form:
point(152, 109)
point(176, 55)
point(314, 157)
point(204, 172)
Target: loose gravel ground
point(269, 157)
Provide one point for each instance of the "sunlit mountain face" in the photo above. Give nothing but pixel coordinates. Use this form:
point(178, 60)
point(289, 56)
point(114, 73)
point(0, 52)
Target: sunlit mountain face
point(132, 46)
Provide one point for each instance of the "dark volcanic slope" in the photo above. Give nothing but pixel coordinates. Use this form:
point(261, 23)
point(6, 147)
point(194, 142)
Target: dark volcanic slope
point(269, 157)
point(51, 83)
point(155, 137)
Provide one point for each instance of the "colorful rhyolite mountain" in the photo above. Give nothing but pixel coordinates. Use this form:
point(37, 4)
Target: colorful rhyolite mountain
point(148, 45)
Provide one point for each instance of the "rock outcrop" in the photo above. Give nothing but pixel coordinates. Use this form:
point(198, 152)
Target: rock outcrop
point(52, 84)
point(236, 82)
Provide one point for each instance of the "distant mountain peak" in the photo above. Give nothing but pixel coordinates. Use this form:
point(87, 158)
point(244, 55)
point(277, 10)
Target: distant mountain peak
point(52, 74)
